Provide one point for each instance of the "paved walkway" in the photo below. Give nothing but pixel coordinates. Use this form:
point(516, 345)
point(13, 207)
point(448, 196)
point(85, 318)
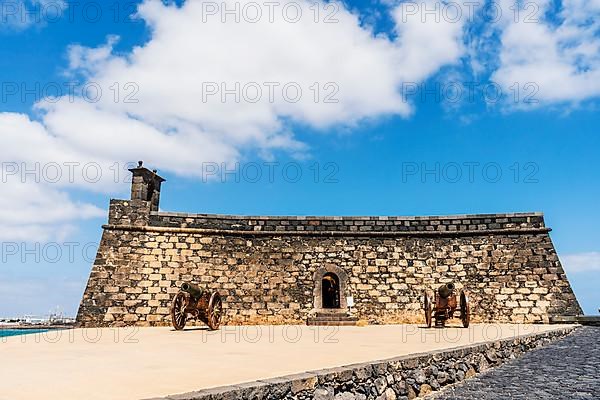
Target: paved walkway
point(150, 362)
point(567, 369)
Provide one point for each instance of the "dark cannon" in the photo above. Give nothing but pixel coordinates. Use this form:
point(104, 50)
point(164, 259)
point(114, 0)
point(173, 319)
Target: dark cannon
point(444, 305)
point(191, 302)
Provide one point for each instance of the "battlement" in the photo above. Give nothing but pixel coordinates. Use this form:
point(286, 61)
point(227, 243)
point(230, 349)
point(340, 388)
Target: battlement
point(352, 224)
point(142, 211)
point(135, 213)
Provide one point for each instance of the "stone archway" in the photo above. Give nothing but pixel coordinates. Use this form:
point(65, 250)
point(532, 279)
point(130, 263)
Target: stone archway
point(330, 289)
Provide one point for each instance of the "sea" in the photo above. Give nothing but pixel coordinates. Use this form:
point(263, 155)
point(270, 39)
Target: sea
point(17, 332)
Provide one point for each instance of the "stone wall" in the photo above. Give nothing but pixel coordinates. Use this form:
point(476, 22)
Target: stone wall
point(455, 223)
point(394, 379)
point(268, 269)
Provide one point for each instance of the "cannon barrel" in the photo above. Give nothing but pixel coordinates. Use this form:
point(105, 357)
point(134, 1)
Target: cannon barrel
point(192, 289)
point(446, 290)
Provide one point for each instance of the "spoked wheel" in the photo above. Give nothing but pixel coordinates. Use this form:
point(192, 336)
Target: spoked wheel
point(428, 310)
point(465, 312)
point(215, 311)
point(178, 313)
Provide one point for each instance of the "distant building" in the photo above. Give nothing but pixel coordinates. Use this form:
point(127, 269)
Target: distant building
point(34, 320)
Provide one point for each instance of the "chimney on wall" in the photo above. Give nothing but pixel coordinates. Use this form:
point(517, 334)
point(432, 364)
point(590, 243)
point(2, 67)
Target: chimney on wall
point(145, 185)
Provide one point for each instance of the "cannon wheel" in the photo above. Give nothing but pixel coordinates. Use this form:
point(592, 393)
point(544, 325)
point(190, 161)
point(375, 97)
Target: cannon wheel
point(428, 310)
point(465, 312)
point(215, 311)
point(178, 313)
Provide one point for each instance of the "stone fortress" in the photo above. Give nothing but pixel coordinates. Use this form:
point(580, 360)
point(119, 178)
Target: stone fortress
point(294, 270)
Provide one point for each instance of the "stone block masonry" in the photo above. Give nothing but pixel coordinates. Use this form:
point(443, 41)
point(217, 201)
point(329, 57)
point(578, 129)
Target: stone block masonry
point(274, 269)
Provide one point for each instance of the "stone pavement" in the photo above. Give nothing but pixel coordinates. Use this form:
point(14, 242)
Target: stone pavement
point(567, 369)
point(137, 363)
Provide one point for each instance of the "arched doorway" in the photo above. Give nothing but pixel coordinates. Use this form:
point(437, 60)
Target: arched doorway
point(331, 290)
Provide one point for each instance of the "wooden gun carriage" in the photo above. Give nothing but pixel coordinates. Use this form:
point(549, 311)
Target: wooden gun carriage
point(194, 303)
point(444, 304)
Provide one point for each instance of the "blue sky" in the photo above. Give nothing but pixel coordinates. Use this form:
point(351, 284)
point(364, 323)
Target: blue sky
point(369, 147)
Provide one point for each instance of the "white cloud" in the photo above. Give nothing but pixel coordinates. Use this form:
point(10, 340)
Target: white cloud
point(184, 56)
point(36, 212)
point(559, 53)
point(173, 124)
point(581, 262)
point(34, 172)
point(171, 111)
